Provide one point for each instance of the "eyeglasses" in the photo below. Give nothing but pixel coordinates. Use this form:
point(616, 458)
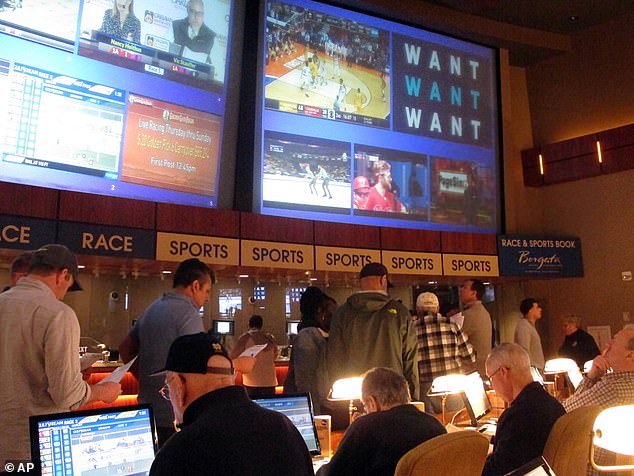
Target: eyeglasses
point(165, 392)
point(496, 371)
point(196, 13)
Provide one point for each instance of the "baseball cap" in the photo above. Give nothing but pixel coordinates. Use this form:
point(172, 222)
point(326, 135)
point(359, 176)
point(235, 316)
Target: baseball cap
point(427, 301)
point(361, 182)
point(374, 269)
point(59, 257)
point(189, 354)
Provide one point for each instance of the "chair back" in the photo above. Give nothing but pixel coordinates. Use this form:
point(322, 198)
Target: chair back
point(460, 453)
point(568, 444)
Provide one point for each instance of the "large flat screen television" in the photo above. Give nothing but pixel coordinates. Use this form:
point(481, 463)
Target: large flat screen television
point(368, 121)
point(129, 98)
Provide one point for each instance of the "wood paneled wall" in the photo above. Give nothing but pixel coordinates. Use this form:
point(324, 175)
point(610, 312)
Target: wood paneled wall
point(36, 202)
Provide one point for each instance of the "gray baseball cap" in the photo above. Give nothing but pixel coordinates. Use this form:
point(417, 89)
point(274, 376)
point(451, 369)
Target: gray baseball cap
point(60, 257)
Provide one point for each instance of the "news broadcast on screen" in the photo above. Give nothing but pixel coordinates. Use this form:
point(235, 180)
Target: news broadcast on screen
point(364, 120)
point(111, 97)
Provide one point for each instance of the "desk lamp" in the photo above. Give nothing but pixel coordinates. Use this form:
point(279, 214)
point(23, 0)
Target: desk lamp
point(613, 430)
point(346, 389)
point(567, 366)
point(444, 386)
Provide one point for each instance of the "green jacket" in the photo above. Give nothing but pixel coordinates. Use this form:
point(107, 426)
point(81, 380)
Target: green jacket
point(372, 330)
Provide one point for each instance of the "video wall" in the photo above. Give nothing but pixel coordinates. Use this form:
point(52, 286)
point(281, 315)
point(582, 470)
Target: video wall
point(363, 120)
point(119, 97)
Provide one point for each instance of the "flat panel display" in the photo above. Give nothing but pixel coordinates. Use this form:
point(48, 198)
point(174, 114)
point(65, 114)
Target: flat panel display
point(364, 120)
point(127, 98)
point(116, 440)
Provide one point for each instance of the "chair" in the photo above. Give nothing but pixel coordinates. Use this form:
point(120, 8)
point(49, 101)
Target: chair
point(461, 453)
point(568, 444)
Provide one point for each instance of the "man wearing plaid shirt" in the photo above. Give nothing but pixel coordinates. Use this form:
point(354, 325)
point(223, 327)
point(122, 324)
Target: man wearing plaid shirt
point(609, 383)
point(441, 348)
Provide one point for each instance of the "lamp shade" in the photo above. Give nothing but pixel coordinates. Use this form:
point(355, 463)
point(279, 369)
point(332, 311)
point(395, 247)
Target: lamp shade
point(346, 389)
point(447, 384)
point(555, 366)
point(614, 430)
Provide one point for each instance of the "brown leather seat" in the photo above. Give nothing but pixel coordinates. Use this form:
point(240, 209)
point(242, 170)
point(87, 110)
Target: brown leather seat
point(461, 453)
point(568, 444)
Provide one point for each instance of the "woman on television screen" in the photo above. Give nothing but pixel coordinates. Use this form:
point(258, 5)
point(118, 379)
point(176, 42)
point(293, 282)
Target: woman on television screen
point(119, 21)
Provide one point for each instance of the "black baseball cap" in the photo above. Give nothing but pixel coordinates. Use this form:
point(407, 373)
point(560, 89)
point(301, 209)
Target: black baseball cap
point(374, 269)
point(59, 257)
point(189, 354)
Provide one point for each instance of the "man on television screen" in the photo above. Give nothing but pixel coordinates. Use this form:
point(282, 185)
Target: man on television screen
point(194, 37)
point(381, 198)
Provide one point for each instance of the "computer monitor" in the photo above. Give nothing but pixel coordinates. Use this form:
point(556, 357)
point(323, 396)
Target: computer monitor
point(116, 440)
point(537, 375)
point(475, 398)
point(298, 408)
point(223, 327)
point(291, 327)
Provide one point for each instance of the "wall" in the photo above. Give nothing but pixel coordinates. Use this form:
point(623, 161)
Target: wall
point(586, 90)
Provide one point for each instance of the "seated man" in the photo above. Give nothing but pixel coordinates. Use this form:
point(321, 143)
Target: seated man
point(610, 381)
point(523, 428)
point(223, 432)
point(375, 442)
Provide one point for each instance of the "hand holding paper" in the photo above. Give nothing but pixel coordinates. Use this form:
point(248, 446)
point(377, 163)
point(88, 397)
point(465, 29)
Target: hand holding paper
point(253, 350)
point(118, 373)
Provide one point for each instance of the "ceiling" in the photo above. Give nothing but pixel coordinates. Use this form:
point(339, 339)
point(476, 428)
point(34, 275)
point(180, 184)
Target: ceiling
point(555, 16)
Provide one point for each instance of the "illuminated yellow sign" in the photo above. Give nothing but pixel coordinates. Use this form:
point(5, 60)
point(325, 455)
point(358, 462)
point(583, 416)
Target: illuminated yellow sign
point(213, 250)
point(328, 258)
point(470, 265)
point(277, 255)
point(399, 262)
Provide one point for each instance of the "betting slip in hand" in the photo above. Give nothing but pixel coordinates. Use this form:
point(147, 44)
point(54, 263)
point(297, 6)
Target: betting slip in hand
point(117, 374)
point(253, 350)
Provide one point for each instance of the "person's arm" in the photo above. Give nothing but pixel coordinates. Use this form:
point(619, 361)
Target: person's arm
point(465, 349)
point(350, 457)
point(410, 356)
point(305, 362)
point(128, 350)
point(239, 347)
point(106, 392)
point(523, 336)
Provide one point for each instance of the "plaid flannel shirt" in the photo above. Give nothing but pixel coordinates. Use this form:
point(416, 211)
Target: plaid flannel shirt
point(442, 347)
point(613, 389)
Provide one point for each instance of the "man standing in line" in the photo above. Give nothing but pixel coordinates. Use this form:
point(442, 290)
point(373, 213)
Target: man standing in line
point(578, 344)
point(441, 346)
point(526, 333)
point(261, 381)
point(222, 432)
point(172, 315)
point(374, 443)
point(477, 323)
point(523, 428)
point(372, 330)
point(19, 268)
point(39, 345)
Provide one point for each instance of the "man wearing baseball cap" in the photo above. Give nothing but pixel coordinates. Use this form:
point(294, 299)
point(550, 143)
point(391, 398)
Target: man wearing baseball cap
point(222, 431)
point(372, 330)
point(39, 345)
point(442, 347)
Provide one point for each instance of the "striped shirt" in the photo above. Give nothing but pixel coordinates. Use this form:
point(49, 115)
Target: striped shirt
point(441, 347)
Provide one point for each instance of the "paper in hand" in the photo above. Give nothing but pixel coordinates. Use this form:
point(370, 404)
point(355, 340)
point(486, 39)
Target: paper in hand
point(253, 350)
point(118, 373)
point(457, 319)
